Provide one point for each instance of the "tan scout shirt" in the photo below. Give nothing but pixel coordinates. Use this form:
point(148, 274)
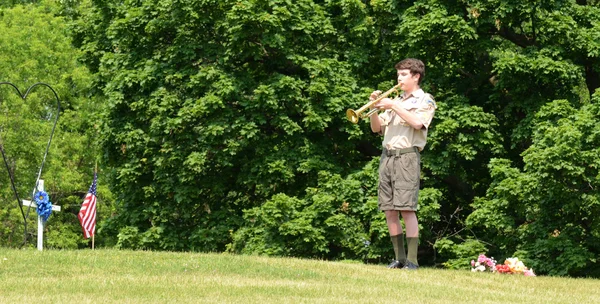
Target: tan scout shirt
point(397, 134)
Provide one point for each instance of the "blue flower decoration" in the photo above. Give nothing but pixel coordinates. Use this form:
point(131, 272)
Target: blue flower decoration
point(44, 206)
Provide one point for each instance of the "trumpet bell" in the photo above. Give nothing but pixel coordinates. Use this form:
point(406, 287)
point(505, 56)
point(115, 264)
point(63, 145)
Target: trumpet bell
point(355, 116)
point(352, 116)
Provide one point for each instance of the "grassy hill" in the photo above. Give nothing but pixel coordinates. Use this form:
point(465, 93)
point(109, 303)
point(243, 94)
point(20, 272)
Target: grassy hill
point(113, 276)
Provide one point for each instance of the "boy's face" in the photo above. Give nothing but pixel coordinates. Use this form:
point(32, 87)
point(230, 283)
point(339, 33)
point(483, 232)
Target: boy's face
point(409, 82)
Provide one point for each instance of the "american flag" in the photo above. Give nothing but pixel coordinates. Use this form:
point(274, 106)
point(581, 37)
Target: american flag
point(87, 213)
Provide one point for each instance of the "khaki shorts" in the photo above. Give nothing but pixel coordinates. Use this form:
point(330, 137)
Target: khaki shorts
point(399, 177)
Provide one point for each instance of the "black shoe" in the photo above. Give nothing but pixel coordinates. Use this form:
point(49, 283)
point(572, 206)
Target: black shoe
point(395, 264)
point(410, 266)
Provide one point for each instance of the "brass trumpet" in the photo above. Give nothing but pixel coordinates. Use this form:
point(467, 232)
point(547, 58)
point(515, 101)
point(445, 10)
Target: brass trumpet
point(354, 116)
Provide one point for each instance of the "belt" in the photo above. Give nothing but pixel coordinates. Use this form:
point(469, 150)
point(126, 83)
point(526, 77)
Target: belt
point(398, 152)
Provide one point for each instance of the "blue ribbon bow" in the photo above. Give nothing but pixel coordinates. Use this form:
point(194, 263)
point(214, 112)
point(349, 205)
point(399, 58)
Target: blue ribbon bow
point(44, 206)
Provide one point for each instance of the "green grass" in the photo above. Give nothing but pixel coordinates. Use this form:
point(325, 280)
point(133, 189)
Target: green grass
point(112, 276)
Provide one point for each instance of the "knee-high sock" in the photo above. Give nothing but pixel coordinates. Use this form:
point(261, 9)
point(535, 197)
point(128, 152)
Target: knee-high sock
point(399, 249)
point(413, 245)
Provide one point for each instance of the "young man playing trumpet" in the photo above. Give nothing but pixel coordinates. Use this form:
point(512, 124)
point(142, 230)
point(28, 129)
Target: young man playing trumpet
point(403, 124)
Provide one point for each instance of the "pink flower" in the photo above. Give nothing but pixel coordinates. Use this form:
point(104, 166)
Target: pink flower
point(472, 263)
point(529, 273)
point(482, 258)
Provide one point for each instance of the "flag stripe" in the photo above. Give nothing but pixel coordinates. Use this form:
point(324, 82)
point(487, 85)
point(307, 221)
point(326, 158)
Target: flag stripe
point(88, 220)
point(87, 213)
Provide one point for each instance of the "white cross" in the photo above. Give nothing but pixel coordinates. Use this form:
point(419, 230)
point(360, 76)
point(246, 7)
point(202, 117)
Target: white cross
point(40, 234)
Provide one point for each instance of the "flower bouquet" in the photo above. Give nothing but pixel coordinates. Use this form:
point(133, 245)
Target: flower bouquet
point(483, 263)
point(510, 266)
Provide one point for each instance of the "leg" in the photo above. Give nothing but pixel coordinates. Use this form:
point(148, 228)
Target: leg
point(412, 235)
point(411, 222)
point(397, 236)
point(392, 218)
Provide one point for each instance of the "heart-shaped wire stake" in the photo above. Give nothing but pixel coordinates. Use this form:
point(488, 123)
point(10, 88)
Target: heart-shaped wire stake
point(2, 150)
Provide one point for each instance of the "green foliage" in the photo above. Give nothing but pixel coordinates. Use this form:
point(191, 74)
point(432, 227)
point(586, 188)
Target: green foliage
point(502, 62)
point(462, 138)
point(545, 211)
point(202, 124)
point(225, 123)
point(338, 219)
point(129, 238)
point(327, 223)
point(12, 3)
point(35, 47)
point(459, 256)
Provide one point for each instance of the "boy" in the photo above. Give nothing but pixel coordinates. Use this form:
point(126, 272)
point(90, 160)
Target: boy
point(404, 125)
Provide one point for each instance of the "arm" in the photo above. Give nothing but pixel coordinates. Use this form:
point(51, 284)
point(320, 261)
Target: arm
point(375, 123)
point(374, 119)
point(411, 118)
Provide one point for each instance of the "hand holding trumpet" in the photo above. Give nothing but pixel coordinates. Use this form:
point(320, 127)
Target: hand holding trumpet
point(373, 97)
point(383, 104)
point(377, 101)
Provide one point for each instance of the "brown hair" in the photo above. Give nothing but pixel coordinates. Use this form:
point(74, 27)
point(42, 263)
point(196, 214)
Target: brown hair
point(415, 66)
